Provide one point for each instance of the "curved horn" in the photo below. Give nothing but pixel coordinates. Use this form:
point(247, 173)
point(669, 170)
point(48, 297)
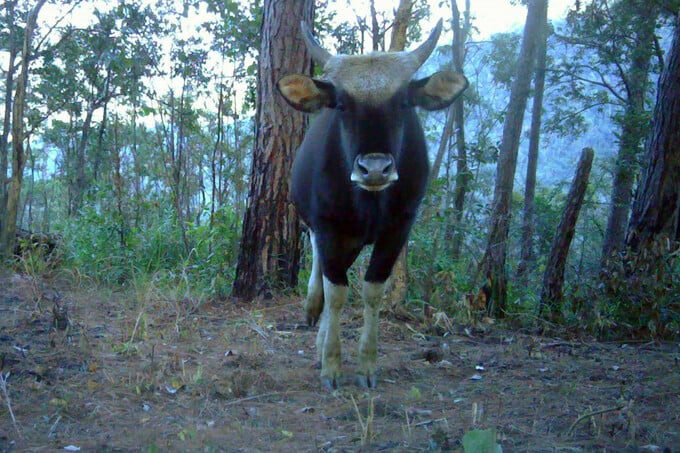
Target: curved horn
point(319, 54)
point(425, 49)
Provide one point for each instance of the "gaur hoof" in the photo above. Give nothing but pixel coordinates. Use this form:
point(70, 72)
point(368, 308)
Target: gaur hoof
point(369, 381)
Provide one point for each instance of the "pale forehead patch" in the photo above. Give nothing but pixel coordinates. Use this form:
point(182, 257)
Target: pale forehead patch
point(372, 78)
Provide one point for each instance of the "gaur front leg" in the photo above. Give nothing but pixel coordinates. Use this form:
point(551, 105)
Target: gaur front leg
point(337, 254)
point(372, 294)
point(385, 254)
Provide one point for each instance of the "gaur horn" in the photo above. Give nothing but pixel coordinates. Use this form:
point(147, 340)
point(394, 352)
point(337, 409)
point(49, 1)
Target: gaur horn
point(319, 54)
point(425, 49)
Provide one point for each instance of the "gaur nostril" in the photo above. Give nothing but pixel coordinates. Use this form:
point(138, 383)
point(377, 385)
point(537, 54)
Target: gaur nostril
point(362, 169)
point(388, 168)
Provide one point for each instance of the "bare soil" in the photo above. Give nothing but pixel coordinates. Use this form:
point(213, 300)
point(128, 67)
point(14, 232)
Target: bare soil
point(140, 370)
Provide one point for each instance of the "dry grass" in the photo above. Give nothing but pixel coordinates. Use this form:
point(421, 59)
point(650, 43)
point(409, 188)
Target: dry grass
point(153, 370)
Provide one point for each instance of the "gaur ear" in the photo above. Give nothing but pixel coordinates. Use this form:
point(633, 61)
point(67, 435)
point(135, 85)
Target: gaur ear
point(437, 91)
point(306, 94)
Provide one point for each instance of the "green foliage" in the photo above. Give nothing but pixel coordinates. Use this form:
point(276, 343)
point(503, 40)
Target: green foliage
point(215, 250)
point(638, 295)
point(502, 59)
point(98, 248)
point(481, 441)
point(166, 164)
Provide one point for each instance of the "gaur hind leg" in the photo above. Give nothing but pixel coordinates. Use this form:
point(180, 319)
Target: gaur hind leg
point(314, 300)
point(328, 338)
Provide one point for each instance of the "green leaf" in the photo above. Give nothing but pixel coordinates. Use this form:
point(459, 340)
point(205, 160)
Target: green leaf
point(414, 394)
point(481, 441)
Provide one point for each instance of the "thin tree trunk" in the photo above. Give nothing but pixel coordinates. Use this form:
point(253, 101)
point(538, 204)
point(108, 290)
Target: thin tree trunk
point(9, 229)
point(269, 257)
point(527, 254)
point(632, 131)
point(443, 145)
point(80, 183)
point(462, 171)
point(375, 27)
point(656, 209)
point(213, 158)
point(397, 289)
point(137, 177)
point(492, 266)
point(4, 152)
point(118, 186)
point(102, 131)
point(180, 171)
point(402, 18)
point(4, 139)
point(553, 279)
point(28, 200)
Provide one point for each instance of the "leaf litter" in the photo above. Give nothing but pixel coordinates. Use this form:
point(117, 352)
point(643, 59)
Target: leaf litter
point(232, 376)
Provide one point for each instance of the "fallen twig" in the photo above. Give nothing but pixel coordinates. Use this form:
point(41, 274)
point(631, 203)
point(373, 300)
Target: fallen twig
point(429, 422)
point(54, 425)
point(556, 344)
point(256, 397)
point(590, 414)
point(3, 385)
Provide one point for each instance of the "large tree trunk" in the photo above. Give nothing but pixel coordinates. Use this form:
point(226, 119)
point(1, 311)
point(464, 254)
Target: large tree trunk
point(656, 209)
point(492, 266)
point(632, 131)
point(527, 255)
point(270, 246)
point(553, 279)
point(18, 156)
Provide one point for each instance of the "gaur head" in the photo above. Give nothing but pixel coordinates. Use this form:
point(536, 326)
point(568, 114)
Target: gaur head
point(374, 97)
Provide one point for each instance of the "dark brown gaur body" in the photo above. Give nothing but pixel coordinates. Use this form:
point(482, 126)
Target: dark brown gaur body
point(359, 177)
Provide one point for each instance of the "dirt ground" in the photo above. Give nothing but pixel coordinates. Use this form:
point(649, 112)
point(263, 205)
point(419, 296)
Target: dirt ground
point(142, 371)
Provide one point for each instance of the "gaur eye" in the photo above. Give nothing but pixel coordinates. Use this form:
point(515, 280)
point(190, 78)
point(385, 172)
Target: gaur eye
point(339, 106)
point(405, 104)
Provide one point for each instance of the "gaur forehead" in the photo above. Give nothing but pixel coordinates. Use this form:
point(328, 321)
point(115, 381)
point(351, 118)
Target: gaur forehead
point(371, 79)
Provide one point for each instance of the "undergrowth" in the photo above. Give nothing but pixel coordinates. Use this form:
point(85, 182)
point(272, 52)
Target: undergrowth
point(202, 259)
point(637, 296)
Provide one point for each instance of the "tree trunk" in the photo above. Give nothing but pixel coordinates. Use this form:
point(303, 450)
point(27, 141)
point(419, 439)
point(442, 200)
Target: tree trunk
point(553, 279)
point(118, 188)
point(269, 257)
point(397, 289)
point(375, 27)
point(462, 171)
point(6, 124)
point(632, 131)
point(443, 145)
point(492, 266)
point(217, 149)
point(96, 164)
point(402, 17)
point(80, 182)
point(18, 158)
point(656, 209)
point(527, 254)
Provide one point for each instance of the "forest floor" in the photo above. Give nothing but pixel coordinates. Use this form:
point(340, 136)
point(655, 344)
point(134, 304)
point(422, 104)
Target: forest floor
point(138, 371)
